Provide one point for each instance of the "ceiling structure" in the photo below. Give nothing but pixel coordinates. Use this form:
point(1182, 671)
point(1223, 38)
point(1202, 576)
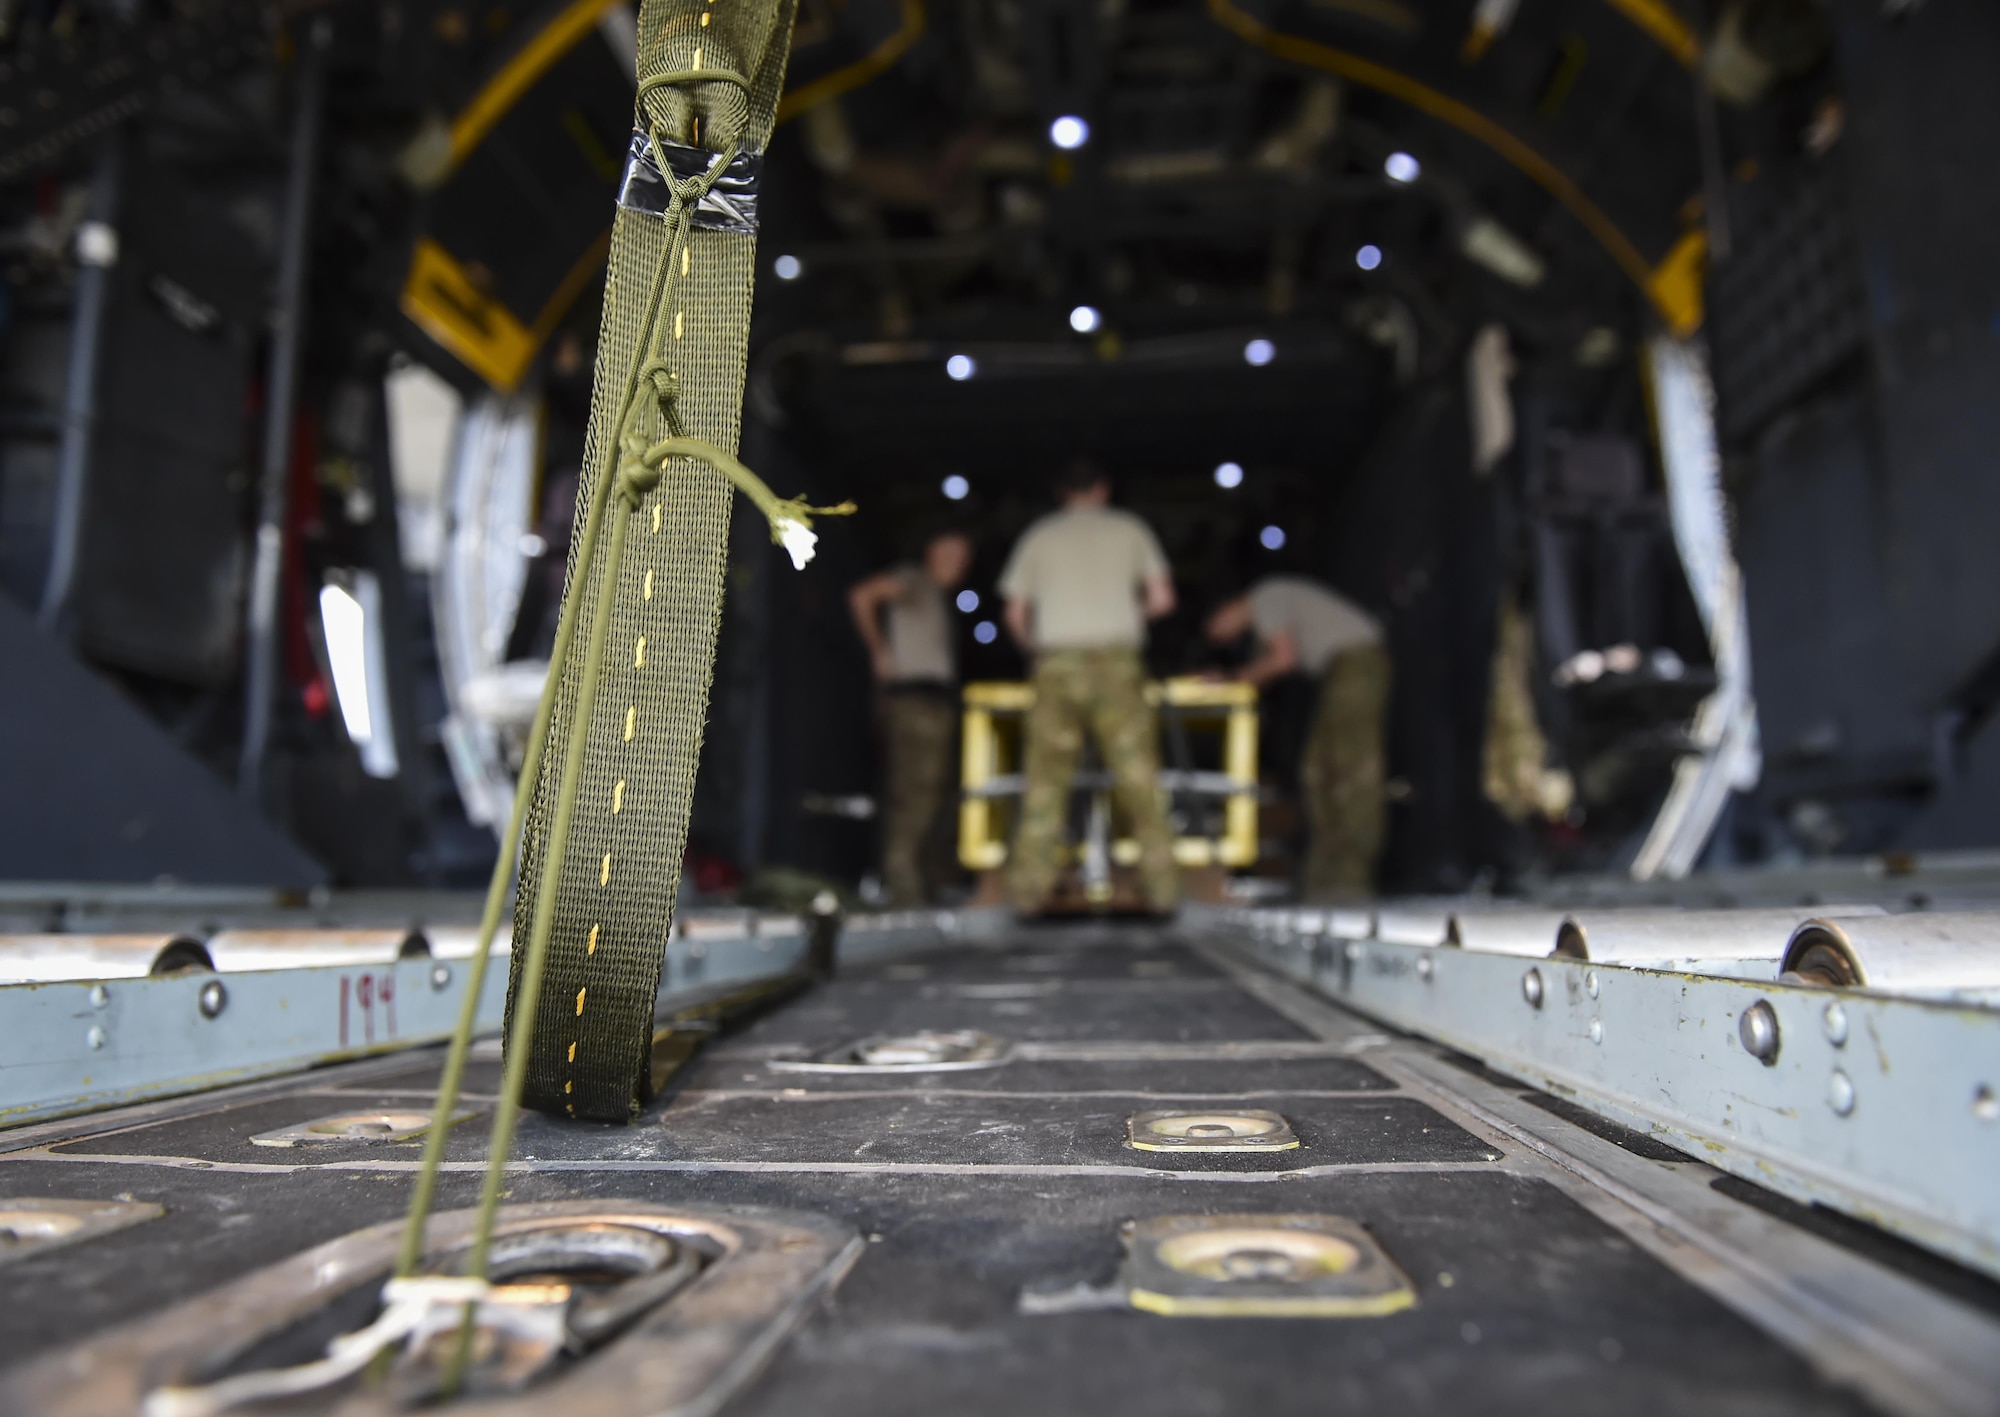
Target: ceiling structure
point(1169, 233)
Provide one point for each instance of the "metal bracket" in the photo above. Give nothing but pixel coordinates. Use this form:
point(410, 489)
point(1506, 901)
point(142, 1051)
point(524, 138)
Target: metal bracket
point(928, 1051)
point(1260, 1266)
point(1245, 1129)
point(32, 1225)
point(355, 1127)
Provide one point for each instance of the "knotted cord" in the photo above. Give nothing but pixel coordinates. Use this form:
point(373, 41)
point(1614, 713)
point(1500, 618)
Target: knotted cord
point(639, 468)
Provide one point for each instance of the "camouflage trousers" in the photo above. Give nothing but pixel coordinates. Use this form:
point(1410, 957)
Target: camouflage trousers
point(1101, 692)
point(1345, 776)
point(919, 730)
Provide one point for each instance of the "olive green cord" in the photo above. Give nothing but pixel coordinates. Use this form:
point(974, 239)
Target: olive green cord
point(639, 468)
point(489, 927)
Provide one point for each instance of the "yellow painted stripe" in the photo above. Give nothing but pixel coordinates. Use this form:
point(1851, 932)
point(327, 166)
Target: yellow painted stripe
point(1383, 12)
point(840, 81)
point(573, 284)
point(520, 74)
point(1664, 24)
point(1218, 1306)
point(1675, 287)
point(1462, 116)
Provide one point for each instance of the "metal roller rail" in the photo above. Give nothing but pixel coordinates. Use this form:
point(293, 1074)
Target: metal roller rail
point(46, 959)
point(76, 1045)
point(239, 950)
point(1880, 1099)
point(95, 1021)
point(1739, 943)
point(1507, 932)
point(1929, 956)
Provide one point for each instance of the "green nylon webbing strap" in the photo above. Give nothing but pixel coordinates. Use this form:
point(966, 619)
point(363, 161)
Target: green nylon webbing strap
point(669, 381)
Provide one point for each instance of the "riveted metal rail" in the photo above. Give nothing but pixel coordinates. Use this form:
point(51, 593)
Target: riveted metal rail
point(1883, 1107)
point(77, 1045)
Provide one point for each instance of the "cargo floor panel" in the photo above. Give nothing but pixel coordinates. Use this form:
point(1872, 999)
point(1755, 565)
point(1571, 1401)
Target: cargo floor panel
point(226, 1134)
point(993, 1203)
point(847, 1011)
point(906, 1127)
point(1138, 1077)
point(1106, 959)
point(1525, 1302)
point(1012, 1131)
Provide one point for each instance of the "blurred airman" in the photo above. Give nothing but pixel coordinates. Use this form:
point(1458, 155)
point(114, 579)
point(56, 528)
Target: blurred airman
point(1080, 587)
point(904, 620)
point(1302, 627)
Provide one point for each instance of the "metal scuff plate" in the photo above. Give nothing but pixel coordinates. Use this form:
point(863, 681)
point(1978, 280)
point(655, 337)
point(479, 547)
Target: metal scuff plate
point(388, 1125)
point(1238, 1129)
point(927, 1051)
point(32, 1225)
point(1260, 1266)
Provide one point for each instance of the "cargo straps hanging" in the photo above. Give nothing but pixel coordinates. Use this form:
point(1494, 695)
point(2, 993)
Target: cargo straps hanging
point(600, 818)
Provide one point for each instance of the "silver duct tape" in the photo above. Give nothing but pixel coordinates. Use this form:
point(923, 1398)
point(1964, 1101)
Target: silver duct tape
point(730, 205)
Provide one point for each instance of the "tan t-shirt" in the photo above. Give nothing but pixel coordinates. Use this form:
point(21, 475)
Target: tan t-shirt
point(1083, 573)
point(919, 631)
point(1320, 623)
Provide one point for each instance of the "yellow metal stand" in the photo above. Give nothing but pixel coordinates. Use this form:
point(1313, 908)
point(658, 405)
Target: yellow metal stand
point(994, 713)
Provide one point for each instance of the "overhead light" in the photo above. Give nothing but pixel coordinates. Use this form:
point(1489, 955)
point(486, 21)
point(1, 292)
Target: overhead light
point(1401, 167)
point(1598, 349)
point(1487, 243)
point(1259, 352)
point(351, 621)
point(1273, 538)
point(788, 268)
point(968, 600)
point(960, 367)
point(1368, 257)
point(97, 244)
point(986, 632)
point(1229, 474)
point(1069, 132)
point(955, 486)
point(1085, 319)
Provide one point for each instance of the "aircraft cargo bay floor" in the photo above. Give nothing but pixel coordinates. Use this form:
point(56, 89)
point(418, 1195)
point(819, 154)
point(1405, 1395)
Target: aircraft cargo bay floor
point(1548, 1273)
